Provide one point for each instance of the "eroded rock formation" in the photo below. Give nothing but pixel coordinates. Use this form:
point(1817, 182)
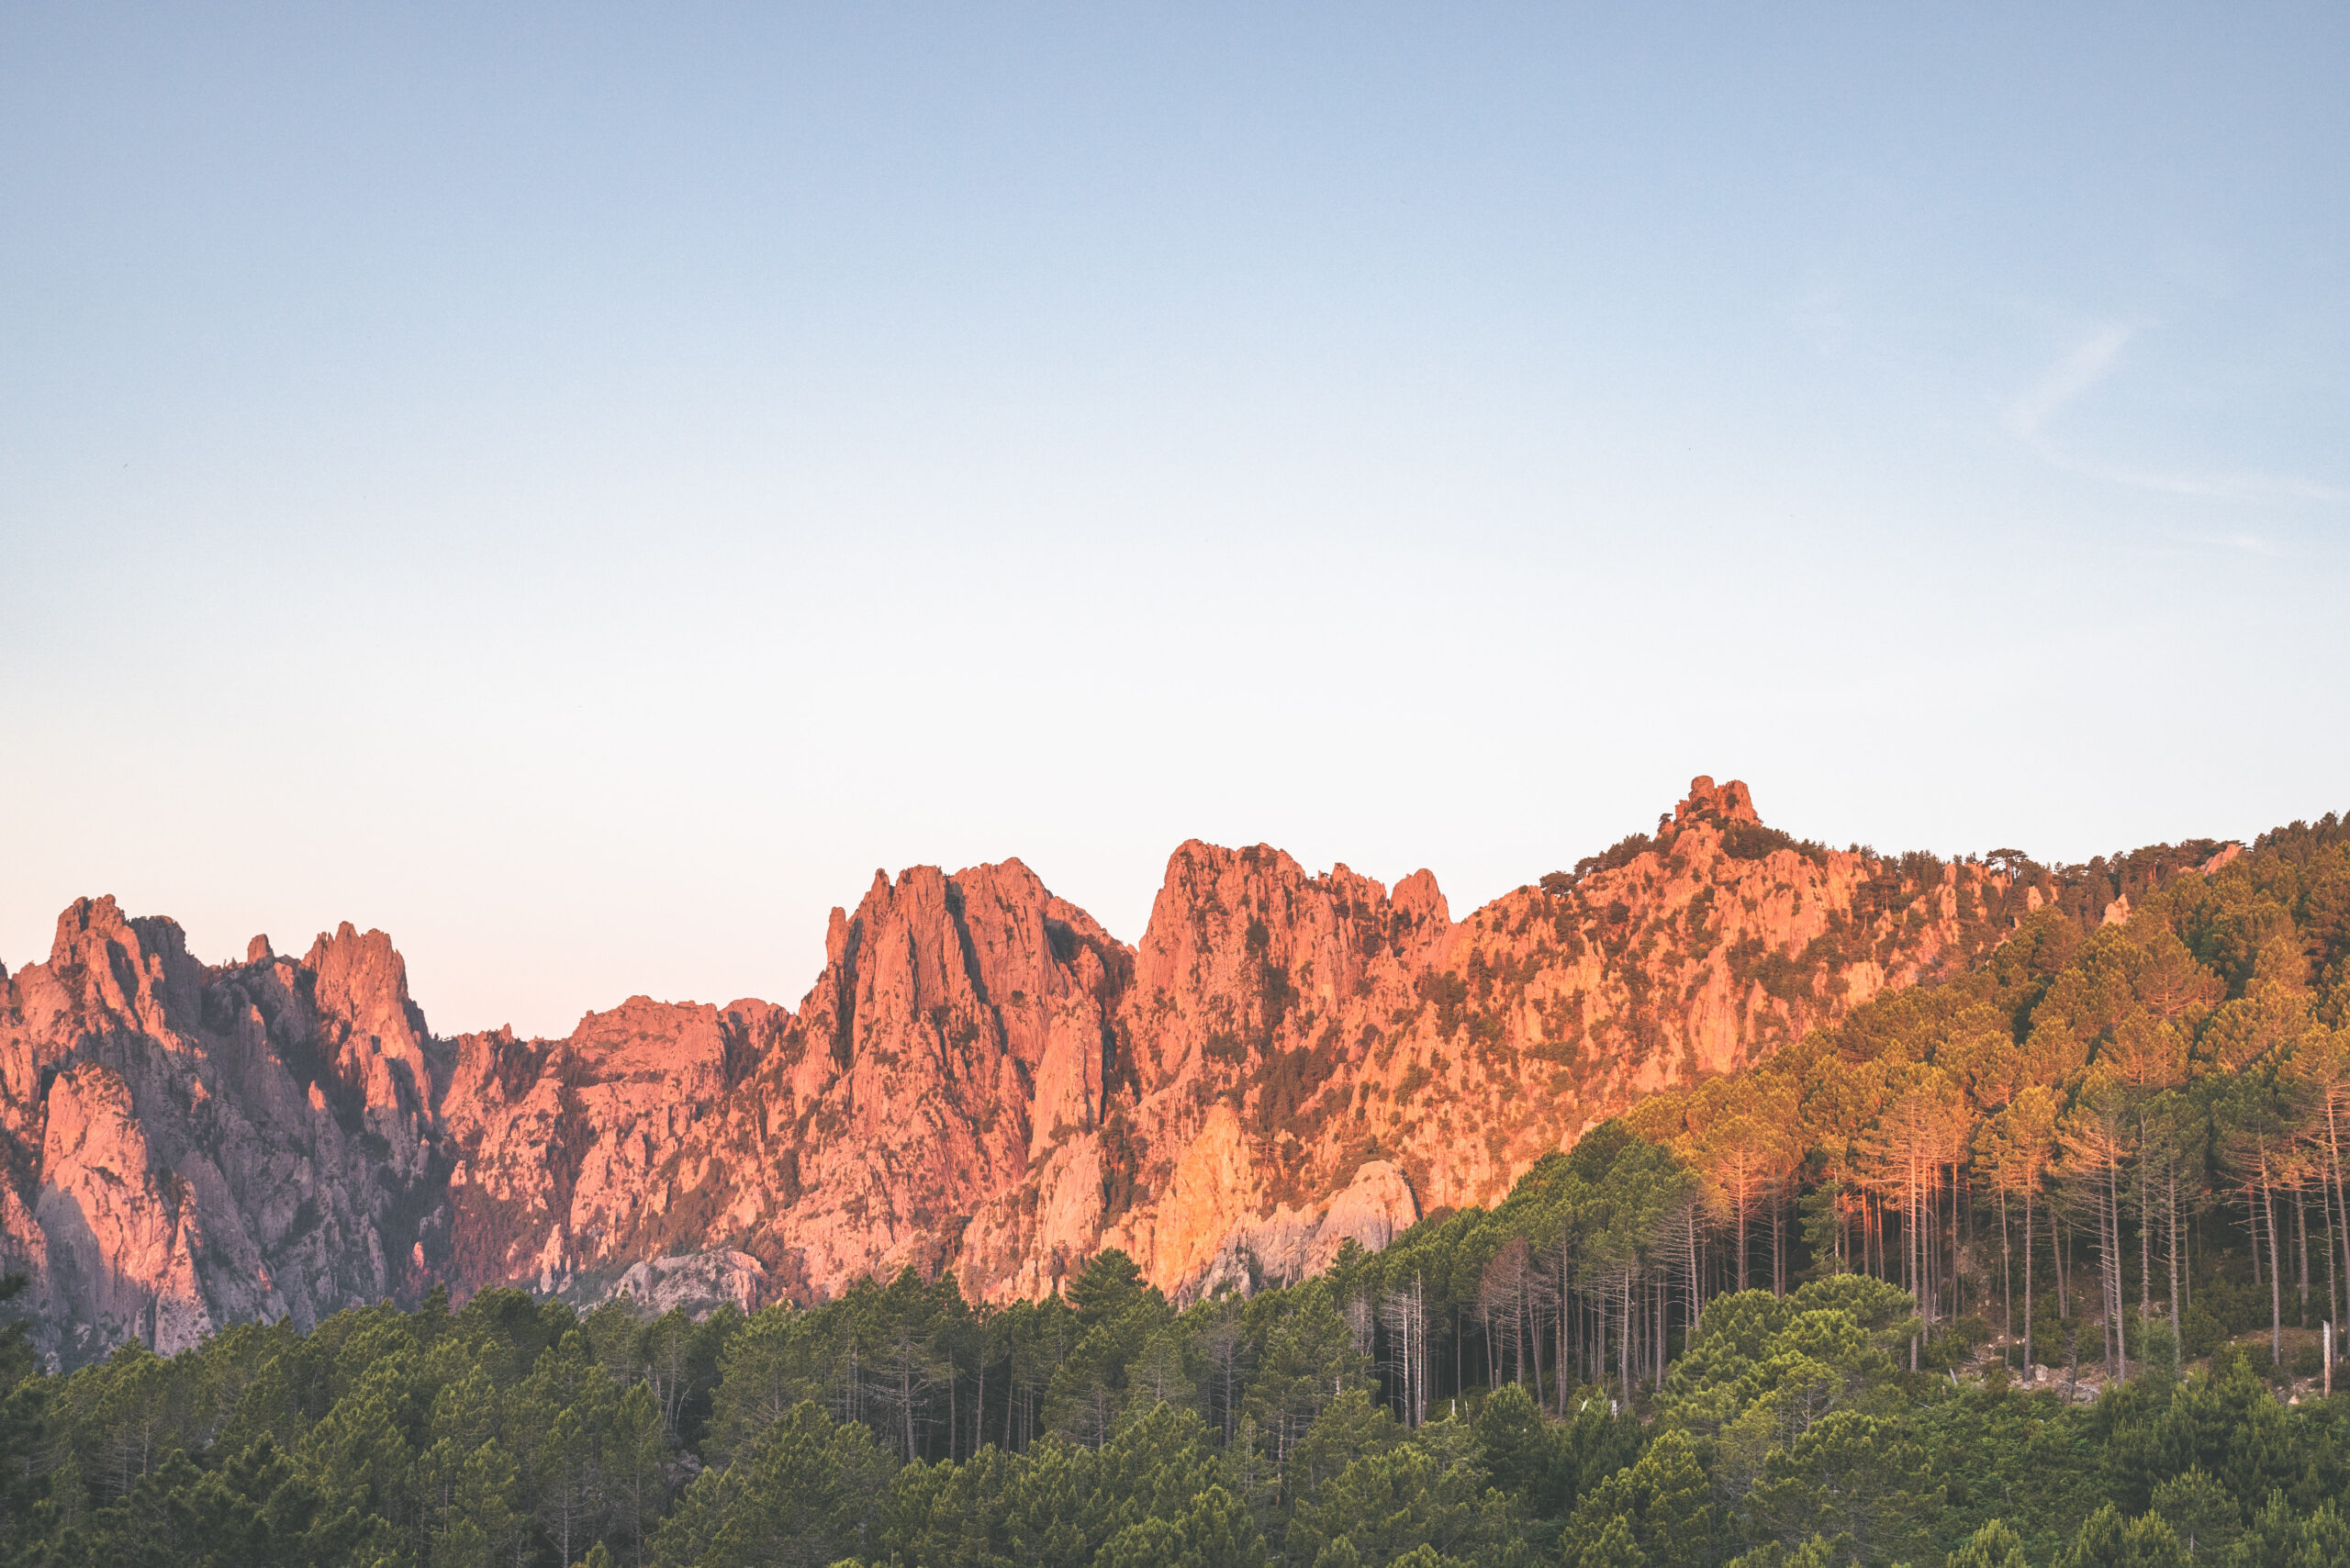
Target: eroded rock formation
point(187, 1147)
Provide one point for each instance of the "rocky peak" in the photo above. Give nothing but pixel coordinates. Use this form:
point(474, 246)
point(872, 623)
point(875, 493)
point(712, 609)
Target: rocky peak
point(136, 972)
point(371, 1038)
point(1239, 937)
point(83, 922)
point(362, 982)
point(957, 1038)
point(1260, 991)
point(1422, 920)
point(904, 967)
point(980, 960)
point(167, 1159)
point(1728, 802)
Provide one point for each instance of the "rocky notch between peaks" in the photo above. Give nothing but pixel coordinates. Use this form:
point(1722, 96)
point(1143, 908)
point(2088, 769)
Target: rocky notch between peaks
point(981, 1079)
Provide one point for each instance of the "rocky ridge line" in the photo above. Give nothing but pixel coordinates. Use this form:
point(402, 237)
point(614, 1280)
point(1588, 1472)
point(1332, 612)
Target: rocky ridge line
point(981, 1079)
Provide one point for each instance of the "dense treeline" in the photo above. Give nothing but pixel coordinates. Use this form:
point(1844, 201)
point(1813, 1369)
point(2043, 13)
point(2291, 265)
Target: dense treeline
point(1788, 1429)
point(1767, 1320)
point(2111, 1141)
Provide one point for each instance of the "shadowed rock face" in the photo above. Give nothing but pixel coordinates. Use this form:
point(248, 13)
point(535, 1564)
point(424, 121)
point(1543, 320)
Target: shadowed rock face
point(981, 1079)
point(187, 1147)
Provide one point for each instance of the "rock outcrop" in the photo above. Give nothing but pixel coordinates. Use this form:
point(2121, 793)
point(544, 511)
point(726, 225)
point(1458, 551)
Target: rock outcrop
point(185, 1146)
point(981, 1079)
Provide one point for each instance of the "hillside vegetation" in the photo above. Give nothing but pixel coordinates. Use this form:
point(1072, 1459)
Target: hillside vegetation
point(2024, 1269)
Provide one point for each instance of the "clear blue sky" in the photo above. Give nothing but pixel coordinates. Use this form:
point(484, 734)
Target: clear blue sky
point(581, 488)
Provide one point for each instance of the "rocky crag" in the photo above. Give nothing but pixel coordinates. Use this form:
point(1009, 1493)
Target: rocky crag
point(981, 1079)
point(186, 1146)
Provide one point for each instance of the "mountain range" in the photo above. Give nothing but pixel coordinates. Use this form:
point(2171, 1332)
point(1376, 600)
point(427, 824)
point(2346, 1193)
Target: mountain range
point(981, 1079)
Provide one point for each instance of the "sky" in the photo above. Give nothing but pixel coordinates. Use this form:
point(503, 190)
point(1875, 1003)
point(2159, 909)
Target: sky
point(580, 488)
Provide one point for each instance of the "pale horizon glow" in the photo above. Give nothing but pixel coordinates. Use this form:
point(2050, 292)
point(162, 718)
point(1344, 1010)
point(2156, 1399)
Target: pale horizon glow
point(579, 487)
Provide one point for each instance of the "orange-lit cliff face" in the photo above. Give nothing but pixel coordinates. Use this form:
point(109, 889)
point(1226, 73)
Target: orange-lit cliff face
point(981, 1079)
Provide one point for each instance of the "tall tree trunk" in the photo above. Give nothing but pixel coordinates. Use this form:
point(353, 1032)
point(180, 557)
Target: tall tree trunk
point(1663, 1299)
point(1909, 1277)
point(1517, 1333)
point(2301, 1245)
point(2275, 1267)
point(1926, 1212)
point(2332, 1282)
point(1599, 1333)
point(1566, 1324)
point(2252, 1221)
point(1953, 1277)
point(1624, 1344)
point(1778, 1243)
point(2007, 1275)
point(1534, 1341)
point(1697, 1304)
point(2177, 1308)
point(2341, 1200)
point(1740, 1202)
point(906, 1399)
point(2117, 1354)
point(2027, 1281)
point(1912, 1274)
point(2145, 1233)
point(1415, 1360)
point(2060, 1233)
